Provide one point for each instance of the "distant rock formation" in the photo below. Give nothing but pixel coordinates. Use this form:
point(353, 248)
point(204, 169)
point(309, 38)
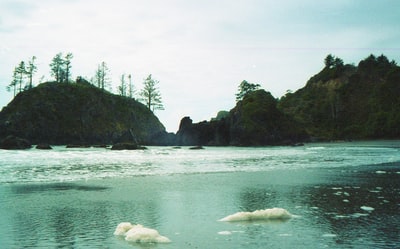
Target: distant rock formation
point(255, 121)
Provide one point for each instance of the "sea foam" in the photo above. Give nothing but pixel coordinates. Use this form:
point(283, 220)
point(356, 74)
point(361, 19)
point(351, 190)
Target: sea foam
point(266, 214)
point(139, 234)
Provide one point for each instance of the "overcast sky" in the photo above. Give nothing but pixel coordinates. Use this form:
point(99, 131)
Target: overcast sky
point(198, 50)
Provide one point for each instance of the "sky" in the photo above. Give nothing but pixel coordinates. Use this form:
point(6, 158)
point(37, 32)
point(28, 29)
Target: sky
point(199, 51)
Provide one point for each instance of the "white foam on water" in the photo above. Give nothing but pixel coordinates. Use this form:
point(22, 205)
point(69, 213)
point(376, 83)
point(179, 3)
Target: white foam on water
point(224, 233)
point(266, 214)
point(358, 215)
point(329, 235)
point(380, 172)
point(139, 234)
point(122, 228)
point(366, 208)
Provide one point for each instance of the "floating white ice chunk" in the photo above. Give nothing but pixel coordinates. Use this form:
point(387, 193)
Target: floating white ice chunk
point(266, 214)
point(139, 234)
point(366, 208)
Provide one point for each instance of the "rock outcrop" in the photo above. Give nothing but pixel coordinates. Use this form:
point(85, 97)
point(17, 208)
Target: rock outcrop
point(255, 121)
point(15, 143)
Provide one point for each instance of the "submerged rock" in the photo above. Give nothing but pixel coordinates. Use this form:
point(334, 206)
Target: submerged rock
point(77, 146)
point(43, 147)
point(196, 148)
point(127, 146)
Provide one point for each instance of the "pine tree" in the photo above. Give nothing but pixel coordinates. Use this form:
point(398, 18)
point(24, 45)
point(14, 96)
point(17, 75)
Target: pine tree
point(150, 94)
point(13, 83)
point(20, 71)
point(56, 67)
point(31, 70)
point(67, 62)
point(122, 87)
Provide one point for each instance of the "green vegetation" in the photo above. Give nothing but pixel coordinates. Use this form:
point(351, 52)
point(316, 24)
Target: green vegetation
point(349, 102)
point(246, 88)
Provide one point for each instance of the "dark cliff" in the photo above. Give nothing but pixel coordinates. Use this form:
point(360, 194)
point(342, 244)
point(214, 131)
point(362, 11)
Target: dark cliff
point(61, 113)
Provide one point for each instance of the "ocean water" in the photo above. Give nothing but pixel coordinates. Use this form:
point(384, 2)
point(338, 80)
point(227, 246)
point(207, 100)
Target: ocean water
point(343, 195)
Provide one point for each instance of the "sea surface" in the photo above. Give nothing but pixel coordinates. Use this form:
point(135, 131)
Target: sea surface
point(342, 195)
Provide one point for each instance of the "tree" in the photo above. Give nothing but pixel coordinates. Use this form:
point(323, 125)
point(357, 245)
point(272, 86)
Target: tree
point(20, 71)
point(31, 69)
point(67, 62)
point(101, 78)
point(150, 94)
point(131, 90)
point(245, 88)
point(13, 83)
point(60, 67)
point(122, 87)
point(329, 61)
point(338, 63)
point(56, 67)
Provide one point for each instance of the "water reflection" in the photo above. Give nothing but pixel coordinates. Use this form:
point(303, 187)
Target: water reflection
point(65, 215)
point(34, 188)
point(350, 209)
point(63, 227)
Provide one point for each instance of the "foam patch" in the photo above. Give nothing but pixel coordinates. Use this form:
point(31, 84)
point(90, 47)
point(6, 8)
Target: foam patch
point(139, 234)
point(266, 214)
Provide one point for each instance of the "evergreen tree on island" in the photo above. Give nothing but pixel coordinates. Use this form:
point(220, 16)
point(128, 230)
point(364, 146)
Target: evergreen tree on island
point(150, 94)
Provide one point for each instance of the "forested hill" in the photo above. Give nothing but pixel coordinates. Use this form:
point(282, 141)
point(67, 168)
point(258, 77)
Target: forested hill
point(78, 113)
point(348, 101)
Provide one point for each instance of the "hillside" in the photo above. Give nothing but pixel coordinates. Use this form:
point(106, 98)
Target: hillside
point(349, 102)
point(78, 113)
